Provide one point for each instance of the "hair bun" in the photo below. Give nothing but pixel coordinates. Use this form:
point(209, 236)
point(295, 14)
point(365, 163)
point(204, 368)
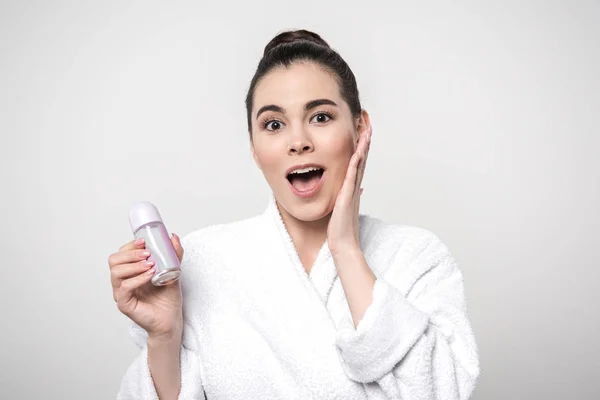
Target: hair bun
point(293, 36)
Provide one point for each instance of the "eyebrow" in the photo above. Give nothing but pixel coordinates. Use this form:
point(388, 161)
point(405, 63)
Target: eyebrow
point(308, 106)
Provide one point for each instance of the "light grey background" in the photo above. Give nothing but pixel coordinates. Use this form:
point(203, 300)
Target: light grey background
point(485, 131)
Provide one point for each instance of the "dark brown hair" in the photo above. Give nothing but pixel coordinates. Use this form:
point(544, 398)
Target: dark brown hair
point(302, 45)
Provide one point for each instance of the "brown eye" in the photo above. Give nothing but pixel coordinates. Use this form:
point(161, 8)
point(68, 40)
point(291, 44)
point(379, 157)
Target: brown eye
point(321, 118)
point(273, 125)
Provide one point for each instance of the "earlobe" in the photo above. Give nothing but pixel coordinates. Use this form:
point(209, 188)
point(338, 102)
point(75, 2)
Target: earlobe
point(364, 122)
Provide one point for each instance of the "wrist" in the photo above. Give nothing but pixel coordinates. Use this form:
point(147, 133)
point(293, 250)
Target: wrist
point(165, 338)
point(164, 341)
point(346, 250)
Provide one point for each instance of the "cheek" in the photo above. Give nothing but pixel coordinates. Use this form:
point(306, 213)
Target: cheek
point(341, 150)
point(341, 147)
point(269, 159)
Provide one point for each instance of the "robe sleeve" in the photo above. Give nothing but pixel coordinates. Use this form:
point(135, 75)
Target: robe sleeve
point(137, 382)
point(416, 346)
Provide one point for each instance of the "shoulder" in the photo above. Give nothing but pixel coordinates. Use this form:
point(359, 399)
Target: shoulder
point(405, 253)
point(210, 251)
point(413, 241)
point(220, 236)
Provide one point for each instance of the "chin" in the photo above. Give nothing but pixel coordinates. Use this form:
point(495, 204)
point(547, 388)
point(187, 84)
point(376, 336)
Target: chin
point(308, 211)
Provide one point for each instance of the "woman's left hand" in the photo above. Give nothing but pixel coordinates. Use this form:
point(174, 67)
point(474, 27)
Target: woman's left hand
point(343, 225)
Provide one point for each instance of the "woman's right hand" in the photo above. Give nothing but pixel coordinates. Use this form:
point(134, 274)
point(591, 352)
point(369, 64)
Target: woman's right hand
point(157, 309)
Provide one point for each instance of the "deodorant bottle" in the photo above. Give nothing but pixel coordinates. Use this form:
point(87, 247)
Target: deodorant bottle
point(147, 224)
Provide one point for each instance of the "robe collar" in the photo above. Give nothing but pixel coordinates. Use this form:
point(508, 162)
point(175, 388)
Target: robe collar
point(323, 272)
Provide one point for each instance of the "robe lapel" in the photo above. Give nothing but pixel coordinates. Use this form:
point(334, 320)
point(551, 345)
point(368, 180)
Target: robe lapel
point(322, 273)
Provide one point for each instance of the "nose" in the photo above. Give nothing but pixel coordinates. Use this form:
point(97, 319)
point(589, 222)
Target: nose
point(299, 144)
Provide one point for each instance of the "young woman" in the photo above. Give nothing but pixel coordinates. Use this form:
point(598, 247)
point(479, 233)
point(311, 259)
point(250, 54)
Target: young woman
point(310, 299)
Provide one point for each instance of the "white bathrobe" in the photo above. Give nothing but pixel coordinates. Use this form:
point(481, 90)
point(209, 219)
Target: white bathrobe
point(257, 326)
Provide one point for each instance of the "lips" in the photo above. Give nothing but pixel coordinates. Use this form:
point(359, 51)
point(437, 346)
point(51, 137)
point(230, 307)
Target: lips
point(305, 180)
point(302, 166)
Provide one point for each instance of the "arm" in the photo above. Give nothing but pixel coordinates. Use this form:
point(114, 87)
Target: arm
point(358, 280)
point(165, 368)
point(415, 346)
point(163, 362)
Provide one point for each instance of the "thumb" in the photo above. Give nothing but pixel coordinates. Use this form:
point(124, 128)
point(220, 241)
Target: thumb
point(177, 245)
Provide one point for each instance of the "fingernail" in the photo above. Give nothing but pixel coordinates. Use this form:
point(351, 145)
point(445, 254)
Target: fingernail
point(144, 254)
point(148, 263)
point(139, 241)
point(150, 271)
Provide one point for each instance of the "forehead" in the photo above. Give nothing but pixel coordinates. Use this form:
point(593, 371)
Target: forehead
point(291, 87)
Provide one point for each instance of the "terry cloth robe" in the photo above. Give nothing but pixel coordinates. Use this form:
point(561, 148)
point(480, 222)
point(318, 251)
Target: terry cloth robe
point(257, 326)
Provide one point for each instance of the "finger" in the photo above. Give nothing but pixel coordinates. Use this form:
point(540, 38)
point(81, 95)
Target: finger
point(366, 132)
point(349, 184)
point(126, 271)
point(177, 245)
point(127, 256)
point(353, 168)
point(366, 141)
point(345, 193)
point(363, 161)
point(126, 301)
point(361, 141)
point(138, 243)
point(357, 172)
point(361, 170)
point(363, 147)
point(114, 258)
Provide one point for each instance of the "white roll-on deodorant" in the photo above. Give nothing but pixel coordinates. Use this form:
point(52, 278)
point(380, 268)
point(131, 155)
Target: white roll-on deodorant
point(147, 224)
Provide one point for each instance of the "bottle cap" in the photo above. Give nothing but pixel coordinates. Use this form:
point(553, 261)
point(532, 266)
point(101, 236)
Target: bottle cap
point(141, 213)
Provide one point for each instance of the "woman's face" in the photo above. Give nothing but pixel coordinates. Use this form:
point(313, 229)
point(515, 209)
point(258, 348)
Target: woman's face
point(299, 118)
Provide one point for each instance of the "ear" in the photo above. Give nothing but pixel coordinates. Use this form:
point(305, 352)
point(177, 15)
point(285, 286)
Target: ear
point(363, 123)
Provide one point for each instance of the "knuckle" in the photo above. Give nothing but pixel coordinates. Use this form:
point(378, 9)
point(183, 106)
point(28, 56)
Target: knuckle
point(121, 307)
point(115, 282)
point(126, 285)
point(117, 297)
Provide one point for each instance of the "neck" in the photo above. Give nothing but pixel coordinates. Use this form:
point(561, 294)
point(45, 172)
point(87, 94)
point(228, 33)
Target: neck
point(305, 234)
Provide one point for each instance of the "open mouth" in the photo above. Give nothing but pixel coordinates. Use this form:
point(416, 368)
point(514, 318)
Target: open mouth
point(306, 179)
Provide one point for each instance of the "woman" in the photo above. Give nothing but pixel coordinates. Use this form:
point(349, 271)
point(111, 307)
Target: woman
point(309, 300)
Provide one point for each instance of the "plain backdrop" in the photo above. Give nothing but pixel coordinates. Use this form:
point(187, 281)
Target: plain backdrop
point(486, 132)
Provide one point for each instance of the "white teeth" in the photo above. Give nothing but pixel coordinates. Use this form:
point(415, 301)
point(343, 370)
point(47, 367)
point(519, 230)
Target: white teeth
point(304, 170)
